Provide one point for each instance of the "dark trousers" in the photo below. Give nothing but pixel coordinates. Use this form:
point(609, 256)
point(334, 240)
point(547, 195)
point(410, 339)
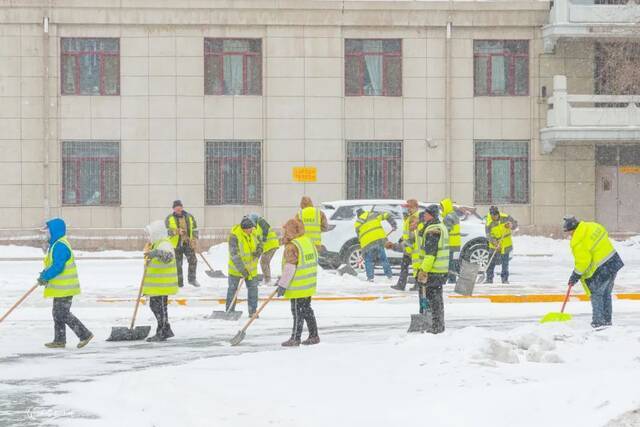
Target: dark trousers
point(252, 293)
point(62, 318)
point(302, 312)
point(404, 271)
point(436, 304)
point(186, 250)
point(158, 305)
point(601, 287)
point(265, 264)
point(503, 259)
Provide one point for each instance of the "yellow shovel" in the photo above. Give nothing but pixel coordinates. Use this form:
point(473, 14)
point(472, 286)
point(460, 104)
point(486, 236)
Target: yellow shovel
point(562, 316)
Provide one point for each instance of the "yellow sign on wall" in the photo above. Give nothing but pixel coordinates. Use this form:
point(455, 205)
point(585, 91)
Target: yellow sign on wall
point(305, 174)
point(629, 169)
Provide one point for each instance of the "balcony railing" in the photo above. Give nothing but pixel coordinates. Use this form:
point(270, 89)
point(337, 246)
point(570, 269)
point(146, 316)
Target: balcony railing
point(591, 18)
point(605, 118)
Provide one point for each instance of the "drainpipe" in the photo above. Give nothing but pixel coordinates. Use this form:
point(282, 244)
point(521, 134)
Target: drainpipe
point(45, 115)
point(447, 107)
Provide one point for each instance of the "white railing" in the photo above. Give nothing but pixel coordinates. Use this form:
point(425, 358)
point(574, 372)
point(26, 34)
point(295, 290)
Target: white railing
point(589, 117)
point(586, 12)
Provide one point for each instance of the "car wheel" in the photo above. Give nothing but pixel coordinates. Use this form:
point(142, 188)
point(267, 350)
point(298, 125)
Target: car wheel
point(478, 254)
point(353, 257)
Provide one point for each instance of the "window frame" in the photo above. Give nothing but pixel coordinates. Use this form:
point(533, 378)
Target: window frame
point(511, 76)
point(244, 54)
point(77, 72)
point(385, 168)
point(102, 161)
point(220, 193)
point(526, 160)
point(361, 61)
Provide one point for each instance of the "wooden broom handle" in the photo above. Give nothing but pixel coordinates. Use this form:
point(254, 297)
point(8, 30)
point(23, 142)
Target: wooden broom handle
point(255, 315)
point(135, 310)
point(20, 301)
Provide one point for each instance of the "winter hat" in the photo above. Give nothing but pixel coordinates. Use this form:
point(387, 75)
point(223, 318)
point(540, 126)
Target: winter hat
point(493, 210)
point(292, 229)
point(433, 210)
point(177, 203)
point(570, 223)
point(411, 203)
point(254, 217)
point(306, 202)
point(246, 223)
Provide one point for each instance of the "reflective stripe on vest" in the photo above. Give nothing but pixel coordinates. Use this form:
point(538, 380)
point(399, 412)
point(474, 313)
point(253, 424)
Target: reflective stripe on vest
point(160, 278)
point(498, 231)
point(272, 241)
point(441, 261)
point(312, 220)
point(247, 245)
point(406, 231)
point(590, 243)
point(417, 252)
point(369, 228)
point(67, 283)
point(304, 282)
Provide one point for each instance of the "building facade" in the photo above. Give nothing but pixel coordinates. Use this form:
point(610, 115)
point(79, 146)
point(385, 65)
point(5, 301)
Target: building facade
point(111, 110)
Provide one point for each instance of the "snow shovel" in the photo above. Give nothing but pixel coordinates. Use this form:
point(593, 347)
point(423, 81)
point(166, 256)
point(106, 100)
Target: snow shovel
point(230, 313)
point(346, 269)
point(20, 301)
point(423, 321)
point(132, 333)
point(243, 332)
point(467, 278)
point(214, 274)
point(562, 316)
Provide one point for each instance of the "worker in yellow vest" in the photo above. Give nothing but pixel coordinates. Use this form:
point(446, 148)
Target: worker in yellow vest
point(498, 228)
point(61, 282)
point(434, 268)
point(183, 234)
point(372, 238)
point(161, 278)
point(452, 222)
point(298, 281)
point(314, 220)
point(596, 264)
point(269, 241)
point(244, 252)
point(413, 242)
point(412, 213)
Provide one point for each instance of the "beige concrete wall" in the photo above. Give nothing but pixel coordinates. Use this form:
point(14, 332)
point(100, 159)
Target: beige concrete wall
point(162, 117)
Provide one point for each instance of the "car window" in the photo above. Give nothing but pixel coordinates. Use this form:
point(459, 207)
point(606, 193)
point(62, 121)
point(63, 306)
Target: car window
point(394, 210)
point(345, 213)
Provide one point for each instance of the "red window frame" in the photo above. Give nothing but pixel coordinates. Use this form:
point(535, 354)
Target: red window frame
point(511, 75)
point(488, 160)
point(388, 162)
point(77, 55)
point(219, 56)
point(78, 161)
point(360, 56)
point(247, 161)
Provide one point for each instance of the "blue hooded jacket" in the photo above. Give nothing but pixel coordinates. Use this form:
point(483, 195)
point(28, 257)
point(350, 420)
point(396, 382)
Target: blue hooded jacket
point(61, 253)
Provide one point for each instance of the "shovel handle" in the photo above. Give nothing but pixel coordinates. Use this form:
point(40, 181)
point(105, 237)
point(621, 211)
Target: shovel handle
point(235, 296)
point(135, 310)
point(255, 315)
point(205, 261)
point(20, 301)
point(566, 298)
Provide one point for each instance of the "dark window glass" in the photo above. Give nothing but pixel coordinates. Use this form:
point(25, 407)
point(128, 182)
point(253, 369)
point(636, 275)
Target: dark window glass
point(373, 67)
point(501, 172)
point(501, 67)
point(374, 169)
point(90, 66)
point(90, 173)
point(233, 173)
point(233, 66)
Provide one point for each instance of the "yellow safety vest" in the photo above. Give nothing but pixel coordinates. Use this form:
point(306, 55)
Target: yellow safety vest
point(417, 252)
point(272, 242)
point(247, 245)
point(304, 282)
point(65, 284)
point(173, 225)
point(161, 278)
point(440, 262)
point(312, 220)
point(591, 248)
point(455, 240)
point(406, 232)
point(499, 231)
point(369, 228)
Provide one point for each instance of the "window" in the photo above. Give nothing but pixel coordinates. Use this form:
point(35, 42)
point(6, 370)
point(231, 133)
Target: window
point(373, 67)
point(233, 66)
point(90, 173)
point(90, 66)
point(233, 173)
point(502, 172)
point(501, 67)
point(374, 169)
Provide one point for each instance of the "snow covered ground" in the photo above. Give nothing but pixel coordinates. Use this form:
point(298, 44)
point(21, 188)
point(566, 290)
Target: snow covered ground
point(494, 366)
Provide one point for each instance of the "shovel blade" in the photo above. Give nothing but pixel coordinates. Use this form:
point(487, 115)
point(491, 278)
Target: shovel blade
point(467, 278)
point(226, 315)
point(420, 323)
point(556, 317)
point(238, 338)
point(121, 333)
point(215, 274)
point(346, 269)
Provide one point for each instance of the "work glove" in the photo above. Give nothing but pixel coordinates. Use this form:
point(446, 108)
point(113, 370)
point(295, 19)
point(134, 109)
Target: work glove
point(423, 276)
point(388, 245)
point(41, 281)
point(574, 278)
point(281, 291)
point(245, 275)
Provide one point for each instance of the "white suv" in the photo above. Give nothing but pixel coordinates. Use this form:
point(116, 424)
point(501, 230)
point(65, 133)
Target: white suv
point(341, 241)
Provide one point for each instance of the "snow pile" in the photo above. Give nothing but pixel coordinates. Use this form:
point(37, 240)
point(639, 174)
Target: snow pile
point(525, 347)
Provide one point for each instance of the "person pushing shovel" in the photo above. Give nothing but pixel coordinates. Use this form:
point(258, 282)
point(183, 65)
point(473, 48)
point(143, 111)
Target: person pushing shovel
point(61, 282)
point(244, 252)
point(596, 264)
point(161, 277)
point(298, 281)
